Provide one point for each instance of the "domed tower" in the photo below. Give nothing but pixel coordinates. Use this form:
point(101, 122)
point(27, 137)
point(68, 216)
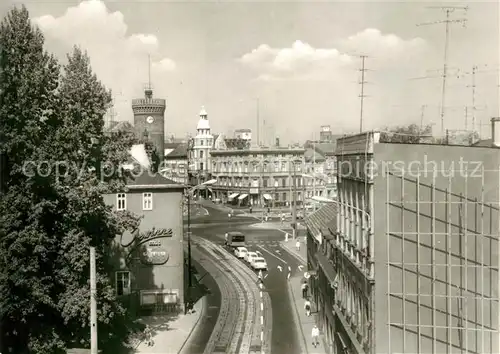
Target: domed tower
point(149, 120)
point(203, 142)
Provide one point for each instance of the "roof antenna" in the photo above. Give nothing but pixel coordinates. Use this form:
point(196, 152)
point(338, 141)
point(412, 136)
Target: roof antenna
point(149, 90)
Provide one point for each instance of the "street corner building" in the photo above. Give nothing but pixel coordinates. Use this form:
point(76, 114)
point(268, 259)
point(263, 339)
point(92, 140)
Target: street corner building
point(415, 255)
point(149, 261)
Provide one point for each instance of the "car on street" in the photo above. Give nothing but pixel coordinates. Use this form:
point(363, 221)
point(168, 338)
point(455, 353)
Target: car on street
point(250, 255)
point(240, 252)
point(259, 263)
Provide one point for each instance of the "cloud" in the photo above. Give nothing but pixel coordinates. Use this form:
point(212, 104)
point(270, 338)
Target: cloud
point(301, 60)
point(119, 59)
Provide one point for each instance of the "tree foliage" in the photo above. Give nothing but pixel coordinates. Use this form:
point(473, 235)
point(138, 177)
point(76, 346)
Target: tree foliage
point(411, 134)
point(50, 216)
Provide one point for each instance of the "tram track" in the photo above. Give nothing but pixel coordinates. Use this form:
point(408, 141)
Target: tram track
point(240, 326)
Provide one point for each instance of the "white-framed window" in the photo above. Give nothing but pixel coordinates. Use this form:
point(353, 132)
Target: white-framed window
point(147, 201)
point(122, 283)
point(121, 201)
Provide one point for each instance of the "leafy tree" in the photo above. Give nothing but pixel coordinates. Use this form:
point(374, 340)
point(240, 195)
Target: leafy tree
point(411, 134)
point(28, 114)
point(48, 221)
point(87, 220)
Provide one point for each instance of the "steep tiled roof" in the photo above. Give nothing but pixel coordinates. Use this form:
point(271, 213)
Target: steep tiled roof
point(323, 220)
point(310, 155)
point(179, 152)
point(171, 145)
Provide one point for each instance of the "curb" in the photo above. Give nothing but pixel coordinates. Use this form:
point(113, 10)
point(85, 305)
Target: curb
point(298, 325)
point(293, 254)
point(202, 311)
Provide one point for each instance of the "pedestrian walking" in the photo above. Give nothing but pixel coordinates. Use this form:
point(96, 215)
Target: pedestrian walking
point(149, 336)
point(307, 307)
point(315, 336)
point(297, 245)
point(305, 287)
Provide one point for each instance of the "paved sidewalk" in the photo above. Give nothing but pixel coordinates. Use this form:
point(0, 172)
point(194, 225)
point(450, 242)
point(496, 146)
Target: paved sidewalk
point(295, 292)
point(290, 246)
point(171, 334)
point(304, 323)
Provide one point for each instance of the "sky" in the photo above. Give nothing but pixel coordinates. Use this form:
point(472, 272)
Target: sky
point(294, 64)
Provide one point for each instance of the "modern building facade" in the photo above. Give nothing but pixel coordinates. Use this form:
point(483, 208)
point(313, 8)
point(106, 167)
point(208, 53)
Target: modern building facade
point(415, 254)
point(149, 260)
point(149, 120)
point(258, 176)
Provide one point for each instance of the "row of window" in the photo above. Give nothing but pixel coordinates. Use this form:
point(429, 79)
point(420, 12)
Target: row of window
point(253, 167)
point(147, 201)
point(268, 182)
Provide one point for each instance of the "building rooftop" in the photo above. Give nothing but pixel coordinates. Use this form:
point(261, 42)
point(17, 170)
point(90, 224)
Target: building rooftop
point(146, 179)
point(236, 144)
point(323, 221)
point(261, 150)
point(310, 155)
point(179, 152)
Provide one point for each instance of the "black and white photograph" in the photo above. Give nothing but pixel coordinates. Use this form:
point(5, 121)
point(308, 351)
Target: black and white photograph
point(249, 177)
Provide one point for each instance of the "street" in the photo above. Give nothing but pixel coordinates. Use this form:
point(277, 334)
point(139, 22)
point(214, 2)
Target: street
point(282, 329)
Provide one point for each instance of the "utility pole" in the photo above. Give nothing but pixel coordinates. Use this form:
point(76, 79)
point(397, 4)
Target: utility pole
point(190, 284)
point(258, 123)
point(93, 303)
point(448, 10)
point(294, 201)
point(422, 114)
point(362, 95)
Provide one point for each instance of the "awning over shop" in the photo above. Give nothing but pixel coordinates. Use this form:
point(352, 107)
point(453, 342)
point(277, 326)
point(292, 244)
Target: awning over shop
point(267, 196)
point(243, 196)
point(232, 196)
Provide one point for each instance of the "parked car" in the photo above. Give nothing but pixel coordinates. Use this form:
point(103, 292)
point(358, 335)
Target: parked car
point(250, 255)
point(240, 252)
point(259, 263)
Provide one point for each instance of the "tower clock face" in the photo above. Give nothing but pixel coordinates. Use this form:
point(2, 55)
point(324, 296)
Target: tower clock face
point(150, 119)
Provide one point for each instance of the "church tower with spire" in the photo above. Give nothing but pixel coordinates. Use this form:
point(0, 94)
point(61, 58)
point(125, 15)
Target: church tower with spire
point(149, 118)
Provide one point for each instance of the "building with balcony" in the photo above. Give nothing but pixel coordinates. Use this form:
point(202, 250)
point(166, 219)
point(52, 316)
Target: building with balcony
point(261, 176)
point(149, 259)
point(414, 257)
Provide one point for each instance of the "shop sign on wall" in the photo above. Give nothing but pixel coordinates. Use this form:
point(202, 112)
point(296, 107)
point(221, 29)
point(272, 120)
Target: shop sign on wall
point(150, 247)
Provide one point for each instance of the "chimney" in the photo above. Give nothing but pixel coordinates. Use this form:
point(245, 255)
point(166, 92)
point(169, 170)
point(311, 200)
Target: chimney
point(495, 131)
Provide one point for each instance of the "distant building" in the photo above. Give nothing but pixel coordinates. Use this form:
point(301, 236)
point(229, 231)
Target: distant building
point(245, 134)
point(176, 164)
point(200, 154)
point(120, 126)
point(149, 261)
point(410, 262)
point(258, 176)
point(149, 120)
point(325, 134)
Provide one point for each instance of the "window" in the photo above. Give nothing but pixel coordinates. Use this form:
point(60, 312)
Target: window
point(201, 166)
point(147, 201)
point(201, 152)
point(122, 283)
point(202, 143)
point(284, 196)
point(121, 201)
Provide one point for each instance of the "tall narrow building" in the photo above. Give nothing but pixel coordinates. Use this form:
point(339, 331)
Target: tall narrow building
point(203, 142)
point(149, 120)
